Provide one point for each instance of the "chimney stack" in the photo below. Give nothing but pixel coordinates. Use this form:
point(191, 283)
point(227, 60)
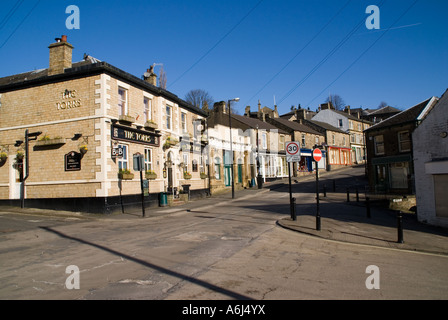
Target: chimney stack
point(150, 77)
point(60, 56)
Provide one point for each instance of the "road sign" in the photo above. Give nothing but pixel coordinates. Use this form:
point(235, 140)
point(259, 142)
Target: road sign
point(292, 151)
point(317, 155)
point(117, 152)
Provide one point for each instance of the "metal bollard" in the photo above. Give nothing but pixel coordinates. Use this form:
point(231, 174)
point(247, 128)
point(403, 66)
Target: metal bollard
point(293, 210)
point(368, 207)
point(334, 185)
point(400, 226)
point(325, 190)
point(357, 195)
point(348, 196)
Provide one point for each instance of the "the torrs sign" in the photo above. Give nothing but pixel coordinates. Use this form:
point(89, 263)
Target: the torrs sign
point(69, 100)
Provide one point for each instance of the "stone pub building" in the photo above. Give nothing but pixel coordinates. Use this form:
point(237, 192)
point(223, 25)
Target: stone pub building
point(85, 122)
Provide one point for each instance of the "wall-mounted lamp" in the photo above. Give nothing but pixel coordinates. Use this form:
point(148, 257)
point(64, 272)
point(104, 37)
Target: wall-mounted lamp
point(18, 143)
point(77, 136)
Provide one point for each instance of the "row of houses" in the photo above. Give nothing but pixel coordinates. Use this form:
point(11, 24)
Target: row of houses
point(69, 135)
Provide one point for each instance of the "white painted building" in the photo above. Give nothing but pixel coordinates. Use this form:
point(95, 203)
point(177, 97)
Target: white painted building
point(430, 152)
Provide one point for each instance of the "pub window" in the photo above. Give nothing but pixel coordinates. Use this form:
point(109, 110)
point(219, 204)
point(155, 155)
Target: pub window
point(183, 120)
point(303, 140)
point(404, 141)
point(185, 157)
point(217, 169)
point(201, 164)
point(123, 161)
point(148, 159)
point(122, 102)
point(333, 139)
point(194, 165)
point(169, 124)
point(147, 109)
point(379, 144)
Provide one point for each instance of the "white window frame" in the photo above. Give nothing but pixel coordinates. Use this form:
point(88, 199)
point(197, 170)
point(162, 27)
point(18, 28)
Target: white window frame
point(147, 108)
point(123, 162)
point(169, 117)
point(183, 121)
point(122, 110)
point(148, 159)
point(264, 140)
point(303, 140)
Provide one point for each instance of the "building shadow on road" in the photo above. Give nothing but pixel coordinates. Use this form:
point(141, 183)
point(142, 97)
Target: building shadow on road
point(207, 285)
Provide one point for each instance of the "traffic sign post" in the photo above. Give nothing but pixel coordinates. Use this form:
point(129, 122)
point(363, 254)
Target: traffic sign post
point(292, 151)
point(317, 156)
point(292, 155)
point(139, 165)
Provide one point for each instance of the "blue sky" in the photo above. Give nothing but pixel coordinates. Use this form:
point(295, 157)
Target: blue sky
point(256, 50)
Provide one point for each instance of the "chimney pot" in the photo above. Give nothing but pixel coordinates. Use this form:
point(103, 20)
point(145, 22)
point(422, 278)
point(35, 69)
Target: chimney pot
point(64, 38)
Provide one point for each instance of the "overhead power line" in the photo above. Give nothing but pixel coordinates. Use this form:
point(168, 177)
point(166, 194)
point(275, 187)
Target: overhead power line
point(300, 51)
point(10, 14)
point(217, 43)
point(325, 59)
point(21, 22)
point(364, 52)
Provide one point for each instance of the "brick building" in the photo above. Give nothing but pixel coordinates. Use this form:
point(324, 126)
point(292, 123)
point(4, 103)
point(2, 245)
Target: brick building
point(390, 165)
point(92, 118)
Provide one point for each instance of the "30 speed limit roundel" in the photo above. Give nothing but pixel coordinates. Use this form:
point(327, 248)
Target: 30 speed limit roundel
point(292, 148)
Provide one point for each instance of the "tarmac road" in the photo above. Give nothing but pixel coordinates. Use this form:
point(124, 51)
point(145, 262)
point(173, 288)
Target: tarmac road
point(214, 249)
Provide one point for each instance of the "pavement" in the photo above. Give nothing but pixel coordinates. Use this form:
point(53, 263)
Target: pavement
point(340, 220)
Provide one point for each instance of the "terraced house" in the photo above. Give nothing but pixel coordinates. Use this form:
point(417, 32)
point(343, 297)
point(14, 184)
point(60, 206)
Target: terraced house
point(84, 122)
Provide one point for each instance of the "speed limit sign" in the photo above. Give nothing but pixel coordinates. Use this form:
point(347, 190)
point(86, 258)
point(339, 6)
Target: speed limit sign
point(292, 151)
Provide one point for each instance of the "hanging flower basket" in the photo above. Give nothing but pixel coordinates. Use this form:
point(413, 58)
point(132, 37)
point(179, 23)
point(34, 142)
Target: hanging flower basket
point(83, 149)
point(19, 155)
point(3, 156)
point(204, 175)
point(187, 175)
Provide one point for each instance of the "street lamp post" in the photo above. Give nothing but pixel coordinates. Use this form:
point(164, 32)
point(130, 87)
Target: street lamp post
point(231, 148)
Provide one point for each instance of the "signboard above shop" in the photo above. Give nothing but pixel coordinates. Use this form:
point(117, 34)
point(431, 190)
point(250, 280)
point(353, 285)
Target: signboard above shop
point(135, 135)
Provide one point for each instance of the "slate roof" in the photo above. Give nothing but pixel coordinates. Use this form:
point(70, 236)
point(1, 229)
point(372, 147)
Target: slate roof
point(296, 126)
point(326, 126)
point(89, 67)
point(253, 122)
point(406, 116)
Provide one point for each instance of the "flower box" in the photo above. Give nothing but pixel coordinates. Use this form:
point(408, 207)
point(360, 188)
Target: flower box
point(151, 175)
point(50, 142)
point(126, 119)
point(151, 125)
point(125, 175)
